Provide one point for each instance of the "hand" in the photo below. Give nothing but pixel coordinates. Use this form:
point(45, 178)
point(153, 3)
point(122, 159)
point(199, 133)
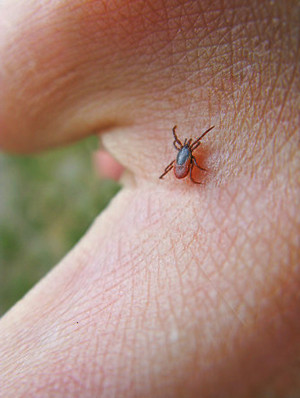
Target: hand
point(178, 289)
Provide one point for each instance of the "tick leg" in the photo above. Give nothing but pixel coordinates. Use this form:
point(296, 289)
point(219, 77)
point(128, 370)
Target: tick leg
point(195, 146)
point(176, 139)
point(191, 177)
point(167, 169)
point(196, 164)
point(197, 142)
point(175, 143)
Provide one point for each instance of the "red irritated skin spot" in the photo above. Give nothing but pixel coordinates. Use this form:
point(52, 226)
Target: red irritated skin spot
point(185, 161)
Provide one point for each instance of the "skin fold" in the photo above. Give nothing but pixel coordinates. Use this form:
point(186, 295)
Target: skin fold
point(177, 289)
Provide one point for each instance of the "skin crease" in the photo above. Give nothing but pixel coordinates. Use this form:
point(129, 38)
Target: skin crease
point(177, 290)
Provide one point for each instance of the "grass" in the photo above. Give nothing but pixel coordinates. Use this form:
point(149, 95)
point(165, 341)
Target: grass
point(47, 202)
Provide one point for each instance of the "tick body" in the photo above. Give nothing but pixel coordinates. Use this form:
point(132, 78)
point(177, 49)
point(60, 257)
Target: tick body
point(185, 161)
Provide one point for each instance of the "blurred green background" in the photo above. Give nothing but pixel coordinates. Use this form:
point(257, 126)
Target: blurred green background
point(47, 202)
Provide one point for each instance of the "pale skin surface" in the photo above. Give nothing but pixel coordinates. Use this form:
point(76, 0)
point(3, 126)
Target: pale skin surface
point(177, 290)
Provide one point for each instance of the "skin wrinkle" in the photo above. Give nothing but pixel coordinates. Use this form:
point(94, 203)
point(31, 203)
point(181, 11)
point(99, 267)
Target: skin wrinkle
point(219, 293)
point(287, 92)
point(122, 371)
point(225, 301)
point(234, 245)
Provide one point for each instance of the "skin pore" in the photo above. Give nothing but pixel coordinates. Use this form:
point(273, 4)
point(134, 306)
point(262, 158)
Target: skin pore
point(177, 289)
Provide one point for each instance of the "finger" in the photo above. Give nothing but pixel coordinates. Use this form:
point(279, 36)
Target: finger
point(107, 166)
point(165, 298)
point(75, 69)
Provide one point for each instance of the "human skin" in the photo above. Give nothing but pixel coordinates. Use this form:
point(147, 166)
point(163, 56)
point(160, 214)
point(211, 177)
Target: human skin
point(177, 289)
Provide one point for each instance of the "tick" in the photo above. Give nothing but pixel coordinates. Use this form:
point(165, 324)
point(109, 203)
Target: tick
point(185, 160)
